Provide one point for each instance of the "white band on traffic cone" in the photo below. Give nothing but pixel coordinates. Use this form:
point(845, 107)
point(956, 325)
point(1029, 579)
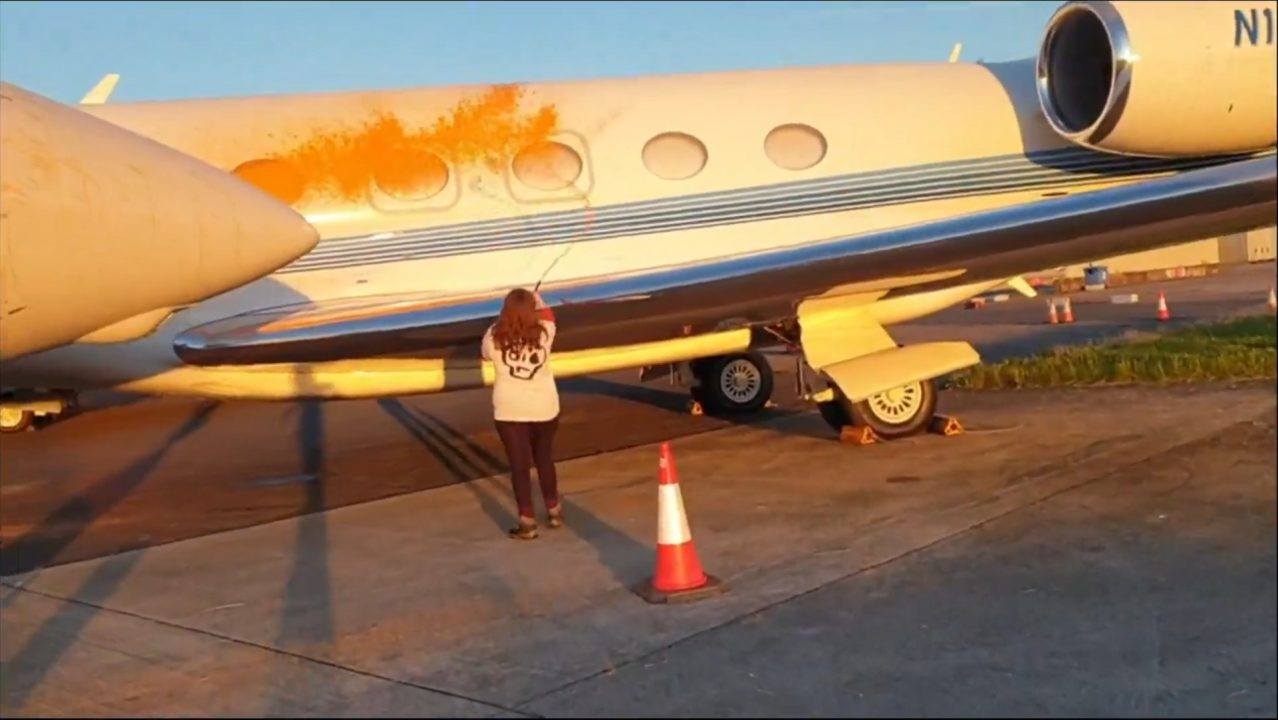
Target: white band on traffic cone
point(672, 522)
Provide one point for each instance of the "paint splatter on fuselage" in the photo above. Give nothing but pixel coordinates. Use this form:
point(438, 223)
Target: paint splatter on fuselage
point(341, 165)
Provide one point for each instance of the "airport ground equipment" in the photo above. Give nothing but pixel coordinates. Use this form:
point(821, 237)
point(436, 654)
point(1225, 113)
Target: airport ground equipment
point(1095, 277)
point(678, 576)
point(858, 435)
point(946, 425)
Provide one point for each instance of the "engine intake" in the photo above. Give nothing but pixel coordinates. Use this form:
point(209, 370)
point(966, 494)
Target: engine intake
point(1160, 78)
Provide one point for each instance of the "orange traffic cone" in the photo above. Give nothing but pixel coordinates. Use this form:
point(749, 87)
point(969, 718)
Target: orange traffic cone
point(1163, 313)
point(678, 576)
point(1273, 300)
point(1068, 316)
point(1051, 313)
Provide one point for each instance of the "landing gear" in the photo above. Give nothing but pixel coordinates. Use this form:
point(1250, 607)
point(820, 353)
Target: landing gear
point(739, 383)
point(24, 409)
point(15, 420)
point(895, 413)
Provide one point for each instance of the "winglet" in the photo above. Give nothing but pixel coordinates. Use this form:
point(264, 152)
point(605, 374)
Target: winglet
point(954, 54)
point(100, 92)
point(1019, 284)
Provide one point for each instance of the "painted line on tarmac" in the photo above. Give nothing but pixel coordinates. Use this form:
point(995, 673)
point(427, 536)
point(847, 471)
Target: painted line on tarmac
point(270, 649)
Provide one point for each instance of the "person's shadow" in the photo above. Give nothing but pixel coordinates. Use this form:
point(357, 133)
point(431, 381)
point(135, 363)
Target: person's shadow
point(474, 467)
point(462, 458)
point(623, 556)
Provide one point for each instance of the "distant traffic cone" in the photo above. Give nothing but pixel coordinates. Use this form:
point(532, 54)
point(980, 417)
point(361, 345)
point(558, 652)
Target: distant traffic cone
point(1068, 316)
point(678, 575)
point(1273, 301)
point(1163, 313)
point(1051, 313)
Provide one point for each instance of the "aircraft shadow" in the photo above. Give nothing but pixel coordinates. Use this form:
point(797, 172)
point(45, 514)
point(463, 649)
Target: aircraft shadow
point(40, 546)
point(1018, 80)
point(669, 400)
point(307, 599)
point(793, 421)
point(307, 616)
point(462, 458)
point(56, 635)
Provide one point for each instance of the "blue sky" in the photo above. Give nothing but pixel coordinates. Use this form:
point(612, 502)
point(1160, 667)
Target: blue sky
point(194, 49)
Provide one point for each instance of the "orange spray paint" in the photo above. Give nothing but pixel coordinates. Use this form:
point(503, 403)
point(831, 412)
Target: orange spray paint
point(341, 164)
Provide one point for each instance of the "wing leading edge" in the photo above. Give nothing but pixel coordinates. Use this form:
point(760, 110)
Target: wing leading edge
point(677, 301)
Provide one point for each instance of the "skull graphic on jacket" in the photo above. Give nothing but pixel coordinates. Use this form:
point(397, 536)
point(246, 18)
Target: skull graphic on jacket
point(523, 363)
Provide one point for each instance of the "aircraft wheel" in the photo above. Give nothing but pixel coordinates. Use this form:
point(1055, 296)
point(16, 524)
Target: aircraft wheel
point(739, 383)
point(895, 413)
point(14, 420)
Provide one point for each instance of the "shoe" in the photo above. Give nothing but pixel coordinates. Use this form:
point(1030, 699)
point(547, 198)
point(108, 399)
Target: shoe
point(523, 531)
point(555, 517)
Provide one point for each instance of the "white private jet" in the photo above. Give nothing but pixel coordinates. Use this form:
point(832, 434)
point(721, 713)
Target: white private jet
point(685, 220)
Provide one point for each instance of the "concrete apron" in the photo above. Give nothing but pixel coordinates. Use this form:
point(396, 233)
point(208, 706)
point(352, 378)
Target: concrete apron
point(419, 604)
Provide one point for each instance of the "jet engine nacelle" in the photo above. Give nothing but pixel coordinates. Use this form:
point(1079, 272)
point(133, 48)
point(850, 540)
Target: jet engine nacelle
point(1161, 78)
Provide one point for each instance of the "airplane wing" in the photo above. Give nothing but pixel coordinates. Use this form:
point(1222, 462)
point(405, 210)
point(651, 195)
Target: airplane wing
point(765, 287)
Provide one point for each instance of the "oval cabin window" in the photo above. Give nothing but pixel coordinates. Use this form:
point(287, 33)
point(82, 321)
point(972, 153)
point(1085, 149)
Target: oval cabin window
point(674, 156)
point(413, 175)
point(795, 146)
point(277, 178)
point(547, 166)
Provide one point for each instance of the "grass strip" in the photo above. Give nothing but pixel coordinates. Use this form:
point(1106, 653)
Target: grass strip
point(1239, 349)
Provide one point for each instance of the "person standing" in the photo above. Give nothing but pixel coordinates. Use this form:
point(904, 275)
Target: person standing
point(526, 402)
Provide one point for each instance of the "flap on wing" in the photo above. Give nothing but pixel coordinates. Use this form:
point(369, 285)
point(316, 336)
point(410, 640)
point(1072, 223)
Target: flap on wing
point(1020, 285)
point(830, 336)
point(861, 377)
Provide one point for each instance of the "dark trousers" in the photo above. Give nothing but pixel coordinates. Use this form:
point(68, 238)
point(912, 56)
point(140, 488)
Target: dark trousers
point(529, 443)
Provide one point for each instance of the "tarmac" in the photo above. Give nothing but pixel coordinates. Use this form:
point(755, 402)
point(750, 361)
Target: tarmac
point(133, 472)
point(1091, 551)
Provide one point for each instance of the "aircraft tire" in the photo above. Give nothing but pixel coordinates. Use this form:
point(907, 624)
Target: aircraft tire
point(734, 384)
point(15, 421)
point(896, 413)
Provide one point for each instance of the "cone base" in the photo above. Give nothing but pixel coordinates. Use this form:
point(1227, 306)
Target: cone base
point(712, 586)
